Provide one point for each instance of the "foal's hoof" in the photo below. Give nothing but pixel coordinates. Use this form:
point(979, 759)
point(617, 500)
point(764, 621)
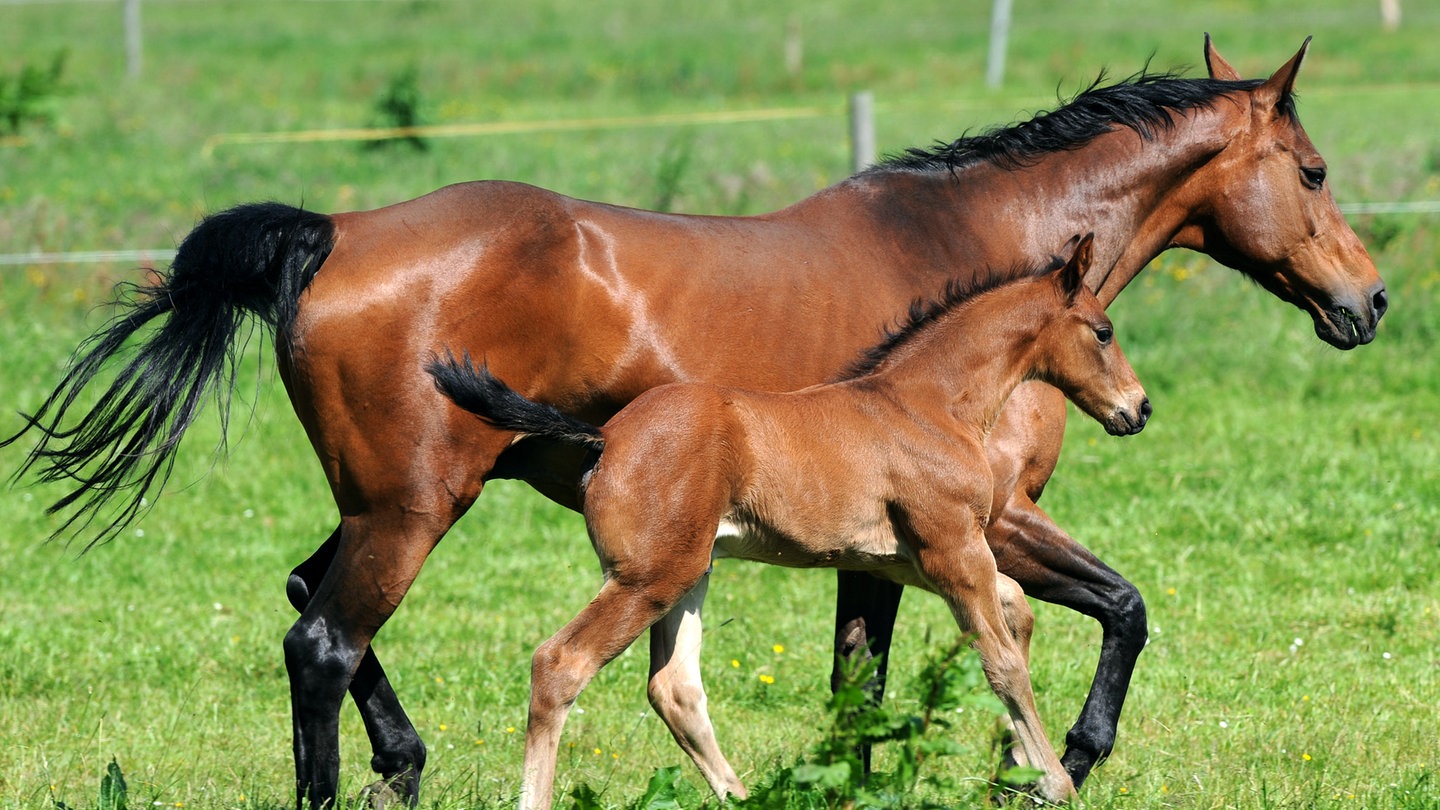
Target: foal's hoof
point(397, 792)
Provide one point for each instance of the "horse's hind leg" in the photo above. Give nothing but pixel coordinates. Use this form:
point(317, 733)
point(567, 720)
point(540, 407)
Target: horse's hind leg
point(1051, 566)
point(677, 694)
point(398, 753)
point(375, 559)
point(865, 611)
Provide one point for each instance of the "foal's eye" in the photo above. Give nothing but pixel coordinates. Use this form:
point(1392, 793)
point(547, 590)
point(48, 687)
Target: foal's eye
point(1314, 177)
point(1104, 334)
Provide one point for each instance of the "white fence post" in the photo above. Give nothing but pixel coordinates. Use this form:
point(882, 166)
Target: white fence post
point(1390, 14)
point(999, 41)
point(862, 131)
point(133, 47)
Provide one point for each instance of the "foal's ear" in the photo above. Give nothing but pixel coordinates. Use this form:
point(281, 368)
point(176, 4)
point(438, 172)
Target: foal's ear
point(1216, 64)
point(1276, 91)
point(1072, 275)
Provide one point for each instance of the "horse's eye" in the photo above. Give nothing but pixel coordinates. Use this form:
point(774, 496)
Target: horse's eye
point(1314, 177)
point(1104, 334)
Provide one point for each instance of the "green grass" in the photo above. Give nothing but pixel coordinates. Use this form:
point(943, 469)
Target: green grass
point(1284, 490)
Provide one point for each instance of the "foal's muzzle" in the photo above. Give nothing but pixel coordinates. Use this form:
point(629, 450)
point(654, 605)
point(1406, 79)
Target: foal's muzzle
point(1129, 421)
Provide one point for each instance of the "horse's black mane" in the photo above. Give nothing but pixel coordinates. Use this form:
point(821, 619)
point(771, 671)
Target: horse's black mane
point(1145, 102)
point(925, 312)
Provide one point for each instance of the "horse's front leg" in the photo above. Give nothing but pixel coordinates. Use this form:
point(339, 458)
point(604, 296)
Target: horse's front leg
point(1051, 566)
point(678, 696)
point(398, 753)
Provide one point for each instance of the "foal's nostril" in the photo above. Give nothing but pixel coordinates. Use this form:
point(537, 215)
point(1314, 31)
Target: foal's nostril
point(1145, 410)
point(1381, 301)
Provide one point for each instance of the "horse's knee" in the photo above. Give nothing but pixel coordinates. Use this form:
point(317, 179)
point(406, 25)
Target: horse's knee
point(309, 648)
point(555, 681)
point(1127, 620)
point(1019, 617)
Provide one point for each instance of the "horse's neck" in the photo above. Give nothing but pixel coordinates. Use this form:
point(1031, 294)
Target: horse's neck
point(1134, 195)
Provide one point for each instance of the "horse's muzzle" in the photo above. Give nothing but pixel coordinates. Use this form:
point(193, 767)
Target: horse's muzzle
point(1345, 328)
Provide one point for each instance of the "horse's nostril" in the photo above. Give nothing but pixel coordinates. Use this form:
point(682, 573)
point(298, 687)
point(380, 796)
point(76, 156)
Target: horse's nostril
point(1381, 302)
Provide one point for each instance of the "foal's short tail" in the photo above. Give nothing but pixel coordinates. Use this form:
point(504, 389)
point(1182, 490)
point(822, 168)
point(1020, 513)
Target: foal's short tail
point(252, 260)
point(485, 395)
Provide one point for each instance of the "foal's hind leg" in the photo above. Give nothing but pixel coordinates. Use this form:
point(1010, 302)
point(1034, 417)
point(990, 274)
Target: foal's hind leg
point(398, 753)
point(1051, 566)
point(678, 695)
point(629, 602)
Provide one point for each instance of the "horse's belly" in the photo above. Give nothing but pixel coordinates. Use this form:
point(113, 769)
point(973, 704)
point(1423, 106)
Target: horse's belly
point(869, 548)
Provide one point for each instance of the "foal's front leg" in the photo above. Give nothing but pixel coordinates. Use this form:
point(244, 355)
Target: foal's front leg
point(678, 696)
point(963, 573)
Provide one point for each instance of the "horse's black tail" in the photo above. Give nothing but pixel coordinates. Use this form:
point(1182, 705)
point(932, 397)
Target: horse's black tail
point(252, 260)
point(485, 395)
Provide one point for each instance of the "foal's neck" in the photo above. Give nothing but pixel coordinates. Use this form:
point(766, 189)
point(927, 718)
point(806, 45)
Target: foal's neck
point(970, 360)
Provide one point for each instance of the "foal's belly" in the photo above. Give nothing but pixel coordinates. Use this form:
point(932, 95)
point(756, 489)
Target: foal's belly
point(873, 548)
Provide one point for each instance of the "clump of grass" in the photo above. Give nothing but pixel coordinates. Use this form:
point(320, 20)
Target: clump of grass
point(114, 793)
point(832, 776)
point(28, 95)
point(398, 106)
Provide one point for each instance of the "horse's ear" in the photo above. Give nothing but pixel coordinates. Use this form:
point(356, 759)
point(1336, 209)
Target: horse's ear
point(1216, 64)
point(1072, 275)
point(1276, 91)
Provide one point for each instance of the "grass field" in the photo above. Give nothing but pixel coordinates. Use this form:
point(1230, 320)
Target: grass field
point(1280, 514)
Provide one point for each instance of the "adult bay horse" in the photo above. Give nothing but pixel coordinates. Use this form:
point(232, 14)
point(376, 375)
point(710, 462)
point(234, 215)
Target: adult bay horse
point(885, 472)
point(585, 306)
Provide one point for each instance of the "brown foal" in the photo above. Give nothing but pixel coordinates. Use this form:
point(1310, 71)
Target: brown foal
point(883, 472)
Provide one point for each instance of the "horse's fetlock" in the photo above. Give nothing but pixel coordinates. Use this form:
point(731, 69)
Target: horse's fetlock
point(400, 761)
point(1096, 743)
point(297, 590)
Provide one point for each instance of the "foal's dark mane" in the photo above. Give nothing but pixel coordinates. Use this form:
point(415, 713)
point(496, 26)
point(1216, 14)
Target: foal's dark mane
point(1145, 103)
point(926, 312)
